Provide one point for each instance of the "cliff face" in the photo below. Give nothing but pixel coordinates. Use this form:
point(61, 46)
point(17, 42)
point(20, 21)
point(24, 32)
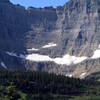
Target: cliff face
point(80, 27)
point(72, 29)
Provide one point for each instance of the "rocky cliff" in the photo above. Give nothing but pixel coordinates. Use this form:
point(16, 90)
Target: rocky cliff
point(64, 40)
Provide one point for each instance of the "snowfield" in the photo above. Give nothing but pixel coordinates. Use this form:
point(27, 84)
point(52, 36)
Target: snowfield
point(69, 75)
point(38, 58)
point(15, 55)
point(12, 54)
point(83, 75)
point(49, 45)
point(96, 53)
point(65, 60)
point(68, 60)
point(33, 49)
point(3, 65)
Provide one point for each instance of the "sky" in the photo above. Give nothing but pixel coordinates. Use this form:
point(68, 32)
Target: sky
point(39, 3)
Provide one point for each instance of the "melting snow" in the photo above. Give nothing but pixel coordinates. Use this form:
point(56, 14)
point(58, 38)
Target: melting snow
point(33, 49)
point(22, 56)
point(69, 75)
point(12, 54)
point(3, 65)
point(99, 46)
point(50, 45)
point(67, 59)
point(82, 75)
point(15, 55)
point(96, 53)
point(37, 58)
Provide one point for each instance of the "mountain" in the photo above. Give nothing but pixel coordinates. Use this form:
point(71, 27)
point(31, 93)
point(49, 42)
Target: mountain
point(65, 40)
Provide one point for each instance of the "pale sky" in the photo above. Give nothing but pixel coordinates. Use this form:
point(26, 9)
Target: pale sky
point(39, 3)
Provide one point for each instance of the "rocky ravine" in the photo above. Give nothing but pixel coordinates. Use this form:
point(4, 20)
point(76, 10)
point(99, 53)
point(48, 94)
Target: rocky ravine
point(65, 40)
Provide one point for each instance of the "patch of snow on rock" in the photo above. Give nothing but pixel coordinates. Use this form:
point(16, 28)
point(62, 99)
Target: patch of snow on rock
point(22, 56)
point(15, 55)
point(96, 54)
point(69, 75)
point(82, 75)
point(33, 49)
point(50, 45)
point(12, 54)
point(99, 46)
point(38, 58)
point(3, 65)
point(66, 60)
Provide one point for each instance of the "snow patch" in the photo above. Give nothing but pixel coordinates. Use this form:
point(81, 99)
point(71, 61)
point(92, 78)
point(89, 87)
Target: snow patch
point(82, 75)
point(99, 46)
point(38, 58)
point(15, 55)
point(96, 54)
point(69, 75)
point(66, 60)
point(50, 45)
point(3, 65)
point(33, 49)
point(12, 54)
point(22, 56)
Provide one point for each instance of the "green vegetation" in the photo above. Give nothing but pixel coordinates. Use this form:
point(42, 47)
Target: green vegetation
point(92, 97)
point(44, 86)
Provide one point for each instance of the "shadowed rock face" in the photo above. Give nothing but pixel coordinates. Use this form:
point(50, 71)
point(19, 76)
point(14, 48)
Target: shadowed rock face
point(74, 27)
point(4, 1)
